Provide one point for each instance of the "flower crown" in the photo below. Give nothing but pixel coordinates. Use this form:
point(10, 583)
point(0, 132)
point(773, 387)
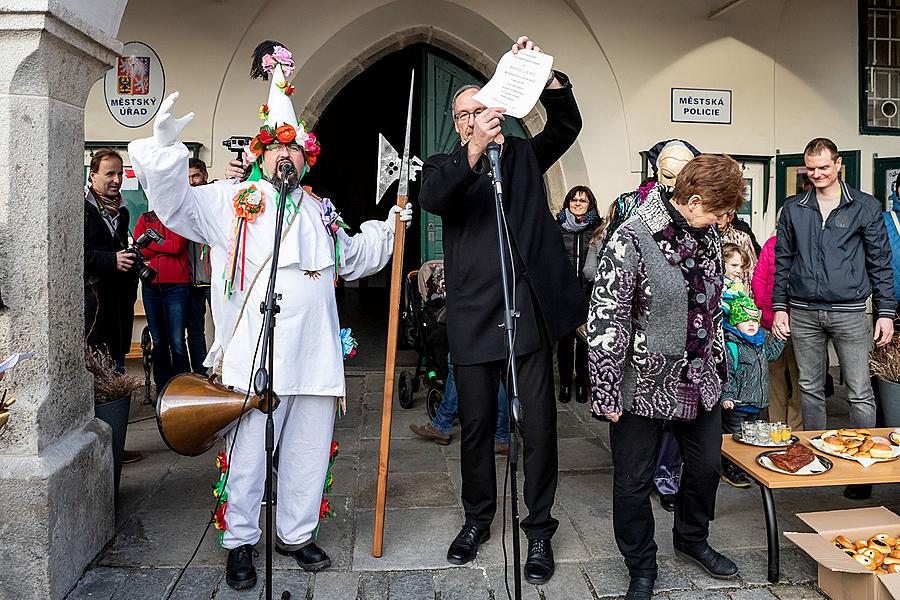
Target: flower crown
point(266, 57)
point(284, 134)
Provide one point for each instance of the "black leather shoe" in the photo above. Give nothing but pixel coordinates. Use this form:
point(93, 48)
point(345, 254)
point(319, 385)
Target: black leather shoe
point(581, 394)
point(858, 492)
point(565, 394)
point(239, 571)
point(712, 562)
point(310, 557)
point(667, 501)
point(539, 567)
point(640, 588)
point(464, 548)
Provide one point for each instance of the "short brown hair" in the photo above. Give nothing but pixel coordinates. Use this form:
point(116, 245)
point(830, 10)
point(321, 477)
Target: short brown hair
point(716, 178)
point(196, 163)
point(98, 156)
point(817, 146)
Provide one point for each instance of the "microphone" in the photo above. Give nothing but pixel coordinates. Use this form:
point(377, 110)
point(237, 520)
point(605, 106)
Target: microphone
point(286, 169)
point(493, 154)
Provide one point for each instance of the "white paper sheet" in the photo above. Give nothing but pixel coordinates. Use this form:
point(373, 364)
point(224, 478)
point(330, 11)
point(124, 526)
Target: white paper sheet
point(517, 83)
point(13, 360)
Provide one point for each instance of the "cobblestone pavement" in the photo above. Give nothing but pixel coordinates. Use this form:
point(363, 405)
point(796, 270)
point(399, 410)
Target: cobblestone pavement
point(164, 504)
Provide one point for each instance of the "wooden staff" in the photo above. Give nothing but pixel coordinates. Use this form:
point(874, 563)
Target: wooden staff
point(393, 328)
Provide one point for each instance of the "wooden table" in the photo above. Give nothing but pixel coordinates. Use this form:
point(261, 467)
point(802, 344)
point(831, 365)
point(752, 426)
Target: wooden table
point(845, 472)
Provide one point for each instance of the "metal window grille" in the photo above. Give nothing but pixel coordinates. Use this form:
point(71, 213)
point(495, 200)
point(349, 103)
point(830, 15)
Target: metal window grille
point(883, 63)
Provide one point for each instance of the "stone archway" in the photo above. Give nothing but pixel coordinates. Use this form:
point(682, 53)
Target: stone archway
point(55, 458)
point(437, 37)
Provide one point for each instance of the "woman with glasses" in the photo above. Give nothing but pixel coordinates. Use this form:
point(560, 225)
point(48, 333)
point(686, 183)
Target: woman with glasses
point(577, 220)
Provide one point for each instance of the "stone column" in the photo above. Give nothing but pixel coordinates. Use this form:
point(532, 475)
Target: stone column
point(56, 484)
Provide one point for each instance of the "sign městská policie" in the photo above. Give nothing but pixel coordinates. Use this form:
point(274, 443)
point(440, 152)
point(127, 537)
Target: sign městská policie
point(135, 87)
point(691, 105)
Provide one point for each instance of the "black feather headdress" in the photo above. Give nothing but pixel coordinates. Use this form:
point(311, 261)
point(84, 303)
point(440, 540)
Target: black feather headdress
point(256, 67)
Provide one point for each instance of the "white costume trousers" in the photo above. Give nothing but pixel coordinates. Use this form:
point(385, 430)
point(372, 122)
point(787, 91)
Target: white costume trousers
point(303, 431)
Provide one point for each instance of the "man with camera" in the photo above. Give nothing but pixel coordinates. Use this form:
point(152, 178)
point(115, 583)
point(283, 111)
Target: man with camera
point(110, 283)
point(166, 297)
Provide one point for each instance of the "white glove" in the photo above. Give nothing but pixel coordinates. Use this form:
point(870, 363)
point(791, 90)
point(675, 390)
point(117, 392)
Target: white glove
point(405, 216)
point(166, 128)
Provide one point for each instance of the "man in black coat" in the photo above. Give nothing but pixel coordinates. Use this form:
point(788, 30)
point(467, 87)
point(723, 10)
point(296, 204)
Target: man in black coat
point(547, 296)
point(110, 287)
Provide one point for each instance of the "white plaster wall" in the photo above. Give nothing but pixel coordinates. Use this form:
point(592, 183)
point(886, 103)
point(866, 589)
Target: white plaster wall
point(623, 58)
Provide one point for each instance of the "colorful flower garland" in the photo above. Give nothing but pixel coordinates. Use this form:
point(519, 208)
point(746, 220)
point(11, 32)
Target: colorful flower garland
point(221, 494)
point(325, 510)
point(248, 204)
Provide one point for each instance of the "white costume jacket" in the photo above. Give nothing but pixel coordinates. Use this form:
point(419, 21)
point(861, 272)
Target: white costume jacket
point(308, 357)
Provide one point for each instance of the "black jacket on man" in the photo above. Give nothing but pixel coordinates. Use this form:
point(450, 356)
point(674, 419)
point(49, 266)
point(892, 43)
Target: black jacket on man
point(835, 267)
point(109, 294)
point(464, 199)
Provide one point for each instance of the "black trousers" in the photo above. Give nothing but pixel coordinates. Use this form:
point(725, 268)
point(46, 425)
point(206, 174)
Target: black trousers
point(572, 352)
point(477, 386)
point(634, 441)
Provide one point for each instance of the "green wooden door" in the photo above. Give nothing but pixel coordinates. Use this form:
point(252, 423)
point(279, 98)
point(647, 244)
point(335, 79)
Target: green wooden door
point(442, 77)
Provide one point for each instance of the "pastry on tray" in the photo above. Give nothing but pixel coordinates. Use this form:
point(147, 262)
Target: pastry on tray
point(856, 443)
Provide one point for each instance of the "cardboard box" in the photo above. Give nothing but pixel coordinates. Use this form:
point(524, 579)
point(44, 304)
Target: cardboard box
point(841, 577)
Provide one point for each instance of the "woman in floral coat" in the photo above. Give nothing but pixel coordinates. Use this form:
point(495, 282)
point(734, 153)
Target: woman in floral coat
point(657, 354)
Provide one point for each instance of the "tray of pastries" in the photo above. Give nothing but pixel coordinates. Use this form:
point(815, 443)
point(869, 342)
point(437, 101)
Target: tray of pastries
point(856, 444)
point(879, 554)
point(796, 459)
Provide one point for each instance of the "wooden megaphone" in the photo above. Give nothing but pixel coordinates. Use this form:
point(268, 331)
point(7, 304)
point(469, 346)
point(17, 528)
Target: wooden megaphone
point(193, 412)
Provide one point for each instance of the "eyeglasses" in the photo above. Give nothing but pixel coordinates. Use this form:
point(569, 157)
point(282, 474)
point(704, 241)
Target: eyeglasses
point(292, 147)
point(463, 115)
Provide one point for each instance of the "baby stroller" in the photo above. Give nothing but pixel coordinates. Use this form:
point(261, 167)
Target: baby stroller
point(423, 328)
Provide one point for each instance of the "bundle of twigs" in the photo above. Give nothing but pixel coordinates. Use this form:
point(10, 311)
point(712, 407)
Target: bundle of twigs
point(109, 384)
point(884, 362)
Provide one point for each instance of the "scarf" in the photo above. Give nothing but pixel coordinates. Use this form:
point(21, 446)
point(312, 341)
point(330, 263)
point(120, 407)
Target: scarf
point(678, 219)
point(757, 340)
point(572, 224)
point(110, 205)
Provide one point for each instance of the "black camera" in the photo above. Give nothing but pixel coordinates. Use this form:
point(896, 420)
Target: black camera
point(144, 272)
point(237, 144)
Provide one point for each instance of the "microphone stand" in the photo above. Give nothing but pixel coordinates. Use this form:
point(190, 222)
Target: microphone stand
point(509, 328)
point(262, 379)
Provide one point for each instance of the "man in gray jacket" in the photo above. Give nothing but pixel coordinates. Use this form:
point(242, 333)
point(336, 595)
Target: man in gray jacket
point(831, 254)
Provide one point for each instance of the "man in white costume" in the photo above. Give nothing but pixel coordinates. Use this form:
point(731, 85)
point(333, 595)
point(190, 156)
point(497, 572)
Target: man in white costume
point(238, 223)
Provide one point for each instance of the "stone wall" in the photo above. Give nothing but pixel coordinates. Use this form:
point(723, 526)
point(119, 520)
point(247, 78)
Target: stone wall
point(55, 458)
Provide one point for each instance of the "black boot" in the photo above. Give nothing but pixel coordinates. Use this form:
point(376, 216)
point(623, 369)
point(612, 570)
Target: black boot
point(581, 394)
point(640, 588)
point(714, 563)
point(464, 548)
point(565, 394)
point(667, 501)
point(540, 566)
point(310, 557)
point(240, 573)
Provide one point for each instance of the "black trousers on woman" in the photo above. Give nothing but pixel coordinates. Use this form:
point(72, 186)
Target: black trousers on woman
point(572, 351)
point(634, 441)
point(477, 386)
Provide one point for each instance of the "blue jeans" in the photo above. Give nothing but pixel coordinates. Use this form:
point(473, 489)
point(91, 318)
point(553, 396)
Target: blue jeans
point(196, 326)
point(166, 306)
point(449, 406)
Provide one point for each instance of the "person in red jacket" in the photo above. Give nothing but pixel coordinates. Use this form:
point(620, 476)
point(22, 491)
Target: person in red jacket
point(784, 386)
point(166, 299)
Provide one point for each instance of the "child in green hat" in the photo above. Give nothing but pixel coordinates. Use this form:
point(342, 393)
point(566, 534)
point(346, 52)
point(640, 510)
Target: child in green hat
point(746, 393)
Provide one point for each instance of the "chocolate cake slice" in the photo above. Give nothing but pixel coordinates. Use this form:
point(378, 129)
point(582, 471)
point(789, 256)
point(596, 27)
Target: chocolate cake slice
point(794, 458)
